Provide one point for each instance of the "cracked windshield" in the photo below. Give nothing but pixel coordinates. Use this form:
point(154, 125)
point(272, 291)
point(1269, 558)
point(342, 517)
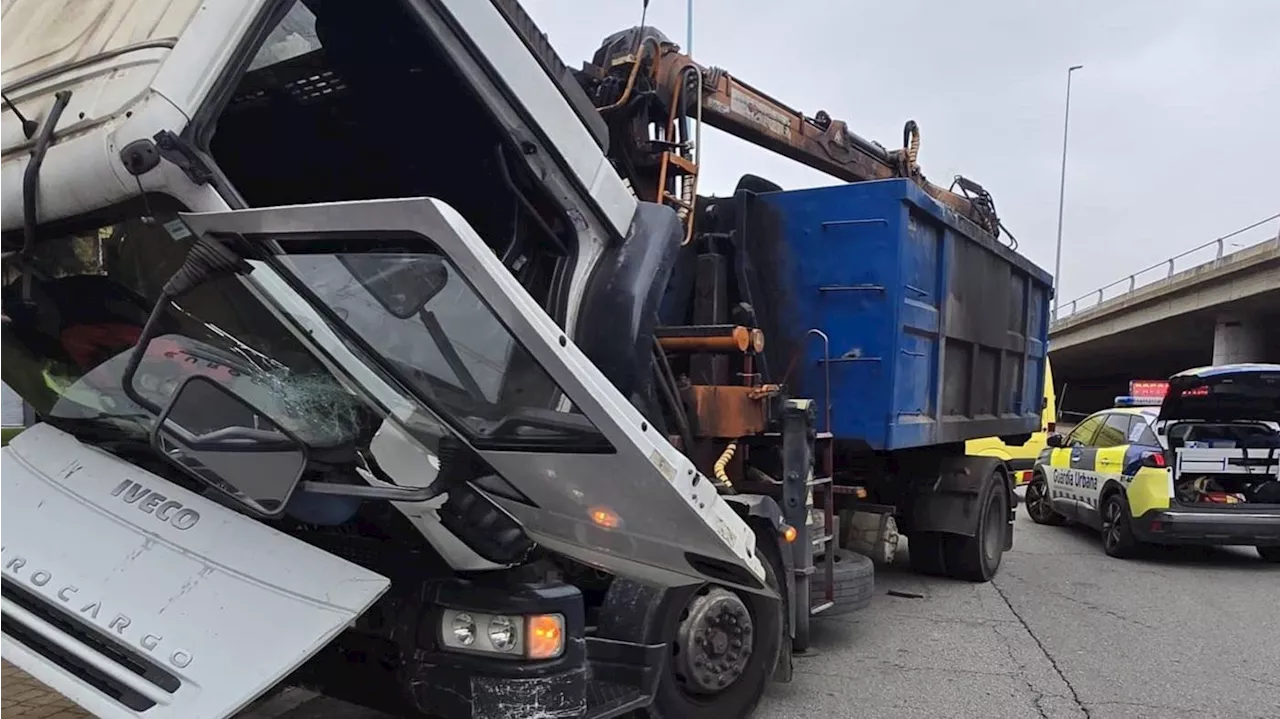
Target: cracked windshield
point(90, 295)
point(640, 359)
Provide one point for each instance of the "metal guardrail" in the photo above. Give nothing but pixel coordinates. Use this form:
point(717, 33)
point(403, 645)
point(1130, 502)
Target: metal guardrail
point(1169, 265)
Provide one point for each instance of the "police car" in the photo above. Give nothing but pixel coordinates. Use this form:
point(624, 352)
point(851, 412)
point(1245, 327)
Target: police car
point(1195, 460)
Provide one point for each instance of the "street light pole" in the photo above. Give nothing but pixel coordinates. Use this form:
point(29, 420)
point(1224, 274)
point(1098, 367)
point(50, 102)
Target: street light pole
point(1062, 193)
point(688, 50)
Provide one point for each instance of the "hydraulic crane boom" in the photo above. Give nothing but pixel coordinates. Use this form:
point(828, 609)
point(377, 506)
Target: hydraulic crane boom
point(654, 99)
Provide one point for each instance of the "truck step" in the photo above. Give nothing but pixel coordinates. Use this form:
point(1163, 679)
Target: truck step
point(606, 699)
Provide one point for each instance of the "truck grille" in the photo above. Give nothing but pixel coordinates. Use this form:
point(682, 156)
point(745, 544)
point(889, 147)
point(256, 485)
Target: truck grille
point(104, 674)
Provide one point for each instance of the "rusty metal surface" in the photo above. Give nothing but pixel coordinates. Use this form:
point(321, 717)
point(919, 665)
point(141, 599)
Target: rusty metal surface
point(728, 412)
point(710, 338)
point(732, 344)
point(630, 64)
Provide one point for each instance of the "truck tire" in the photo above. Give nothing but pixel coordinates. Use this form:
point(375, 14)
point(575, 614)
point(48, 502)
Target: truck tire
point(855, 582)
point(925, 550)
point(1269, 554)
point(977, 558)
point(680, 696)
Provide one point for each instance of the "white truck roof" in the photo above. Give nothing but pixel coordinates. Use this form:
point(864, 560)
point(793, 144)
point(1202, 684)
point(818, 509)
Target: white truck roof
point(141, 66)
point(48, 36)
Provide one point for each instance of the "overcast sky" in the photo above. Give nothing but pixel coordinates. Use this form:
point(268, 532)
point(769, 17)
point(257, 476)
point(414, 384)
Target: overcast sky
point(1175, 118)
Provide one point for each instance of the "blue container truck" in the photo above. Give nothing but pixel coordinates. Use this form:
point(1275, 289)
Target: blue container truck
point(935, 335)
point(885, 307)
point(891, 331)
point(831, 349)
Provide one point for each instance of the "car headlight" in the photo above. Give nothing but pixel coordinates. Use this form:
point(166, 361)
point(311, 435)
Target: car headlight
point(533, 636)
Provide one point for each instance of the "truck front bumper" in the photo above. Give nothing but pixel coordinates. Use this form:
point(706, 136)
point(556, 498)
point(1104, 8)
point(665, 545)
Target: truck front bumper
point(594, 678)
point(1233, 526)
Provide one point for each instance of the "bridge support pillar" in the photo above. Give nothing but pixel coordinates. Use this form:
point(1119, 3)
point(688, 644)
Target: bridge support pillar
point(1236, 339)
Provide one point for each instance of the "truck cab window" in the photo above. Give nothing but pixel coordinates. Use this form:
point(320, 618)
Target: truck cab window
point(317, 117)
point(433, 331)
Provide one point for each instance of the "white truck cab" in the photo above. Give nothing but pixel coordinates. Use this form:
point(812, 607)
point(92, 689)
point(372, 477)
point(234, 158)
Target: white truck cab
point(296, 289)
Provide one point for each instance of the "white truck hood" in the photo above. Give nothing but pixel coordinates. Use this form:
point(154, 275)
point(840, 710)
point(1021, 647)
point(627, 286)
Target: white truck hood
point(135, 597)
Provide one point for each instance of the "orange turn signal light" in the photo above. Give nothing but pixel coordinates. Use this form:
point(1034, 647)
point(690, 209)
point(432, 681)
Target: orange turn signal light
point(789, 533)
point(545, 636)
point(605, 517)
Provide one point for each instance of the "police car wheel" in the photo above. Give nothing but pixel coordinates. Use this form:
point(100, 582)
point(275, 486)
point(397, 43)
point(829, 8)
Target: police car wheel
point(1117, 534)
point(1269, 554)
point(1040, 504)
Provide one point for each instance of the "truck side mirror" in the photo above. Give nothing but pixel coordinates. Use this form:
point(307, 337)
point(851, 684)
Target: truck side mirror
point(218, 438)
point(1056, 441)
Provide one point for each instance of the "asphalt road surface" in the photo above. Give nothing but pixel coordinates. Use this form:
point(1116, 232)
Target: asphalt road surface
point(1064, 632)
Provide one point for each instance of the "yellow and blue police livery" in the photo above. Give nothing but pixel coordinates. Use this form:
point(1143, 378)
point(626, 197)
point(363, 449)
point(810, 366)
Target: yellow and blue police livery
point(1199, 463)
point(1111, 462)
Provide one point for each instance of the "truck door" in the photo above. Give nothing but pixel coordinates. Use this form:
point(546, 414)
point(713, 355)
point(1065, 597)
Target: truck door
point(427, 302)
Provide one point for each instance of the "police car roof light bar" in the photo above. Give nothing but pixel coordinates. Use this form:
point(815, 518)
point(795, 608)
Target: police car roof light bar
point(1131, 401)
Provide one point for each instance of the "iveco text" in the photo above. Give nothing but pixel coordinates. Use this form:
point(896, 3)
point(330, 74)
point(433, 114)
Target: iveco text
point(165, 509)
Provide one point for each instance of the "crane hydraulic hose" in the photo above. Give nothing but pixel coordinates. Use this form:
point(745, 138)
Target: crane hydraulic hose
point(722, 476)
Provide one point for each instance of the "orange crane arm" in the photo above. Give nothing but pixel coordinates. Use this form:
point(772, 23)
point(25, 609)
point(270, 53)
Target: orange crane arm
point(641, 82)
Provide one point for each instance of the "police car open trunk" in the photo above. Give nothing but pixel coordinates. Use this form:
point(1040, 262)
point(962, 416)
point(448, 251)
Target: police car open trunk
point(1222, 429)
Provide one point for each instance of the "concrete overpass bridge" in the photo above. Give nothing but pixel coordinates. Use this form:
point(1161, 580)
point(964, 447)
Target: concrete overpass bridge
point(1161, 320)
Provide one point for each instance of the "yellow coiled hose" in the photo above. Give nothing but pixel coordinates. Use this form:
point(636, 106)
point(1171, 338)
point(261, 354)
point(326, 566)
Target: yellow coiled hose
point(725, 457)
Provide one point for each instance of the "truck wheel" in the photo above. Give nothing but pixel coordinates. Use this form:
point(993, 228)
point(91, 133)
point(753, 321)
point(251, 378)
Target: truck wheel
point(1040, 504)
point(724, 651)
point(925, 550)
point(855, 582)
point(1269, 554)
point(977, 558)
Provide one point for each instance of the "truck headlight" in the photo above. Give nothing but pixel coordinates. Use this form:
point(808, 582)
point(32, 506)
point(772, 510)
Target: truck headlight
point(534, 636)
point(463, 630)
point(503, 633)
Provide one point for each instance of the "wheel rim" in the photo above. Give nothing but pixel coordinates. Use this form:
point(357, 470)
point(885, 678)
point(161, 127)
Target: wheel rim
point(1111, 524)
point(713, 643)
point(1037, 500)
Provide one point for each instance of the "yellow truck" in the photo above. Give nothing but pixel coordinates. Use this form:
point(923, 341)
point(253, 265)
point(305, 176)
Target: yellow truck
point(1021, 458)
